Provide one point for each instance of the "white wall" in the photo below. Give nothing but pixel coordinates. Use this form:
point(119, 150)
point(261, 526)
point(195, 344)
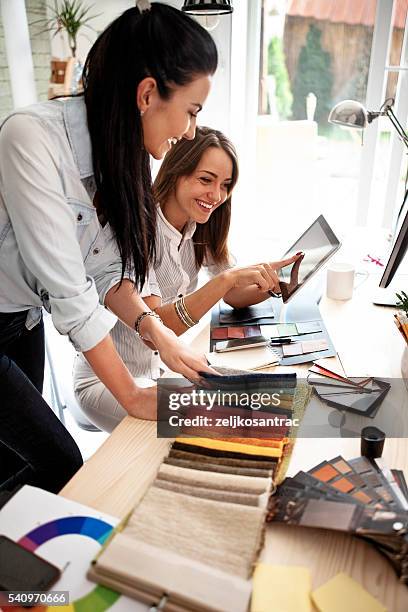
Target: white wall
point(216, 112)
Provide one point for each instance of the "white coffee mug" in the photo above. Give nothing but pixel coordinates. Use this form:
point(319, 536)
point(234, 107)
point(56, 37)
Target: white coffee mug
point(340, 281)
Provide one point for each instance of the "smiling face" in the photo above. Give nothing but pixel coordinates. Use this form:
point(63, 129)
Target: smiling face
point(197, 196)
point(165, 122)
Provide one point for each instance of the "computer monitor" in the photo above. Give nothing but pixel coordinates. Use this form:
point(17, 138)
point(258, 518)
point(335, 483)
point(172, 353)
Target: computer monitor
point(398, 250)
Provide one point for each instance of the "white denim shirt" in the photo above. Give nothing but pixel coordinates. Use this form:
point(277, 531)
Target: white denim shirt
point(53, 250)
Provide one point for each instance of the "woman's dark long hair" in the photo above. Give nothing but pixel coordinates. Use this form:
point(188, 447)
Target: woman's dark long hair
point(172, 48)
point(210, 238)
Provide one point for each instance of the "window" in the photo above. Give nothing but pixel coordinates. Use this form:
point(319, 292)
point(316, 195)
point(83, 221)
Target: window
point(310, 56)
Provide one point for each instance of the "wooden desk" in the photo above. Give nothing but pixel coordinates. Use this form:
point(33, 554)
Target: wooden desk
point(117, 476)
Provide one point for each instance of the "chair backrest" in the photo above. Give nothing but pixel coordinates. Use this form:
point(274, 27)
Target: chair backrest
point(60, 356)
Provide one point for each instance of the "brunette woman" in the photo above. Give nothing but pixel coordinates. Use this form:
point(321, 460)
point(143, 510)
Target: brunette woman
point(78, 226)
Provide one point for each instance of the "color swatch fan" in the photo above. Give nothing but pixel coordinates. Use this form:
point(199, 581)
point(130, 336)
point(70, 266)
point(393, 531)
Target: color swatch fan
point(357, 496)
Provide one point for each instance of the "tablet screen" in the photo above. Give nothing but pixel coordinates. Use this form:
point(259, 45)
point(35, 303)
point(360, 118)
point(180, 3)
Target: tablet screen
point(318, 243)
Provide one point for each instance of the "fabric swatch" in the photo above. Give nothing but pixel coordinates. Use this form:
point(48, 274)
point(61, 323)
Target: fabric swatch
point(223, 535)
point(145, 572)
point(246, 499)
point(212, 451)
point(197, 455)
point(222, 469)
point(273, 449)
point(223, 482)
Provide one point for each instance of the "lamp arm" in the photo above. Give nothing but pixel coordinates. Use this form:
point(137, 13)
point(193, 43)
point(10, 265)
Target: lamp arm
point(400, 130)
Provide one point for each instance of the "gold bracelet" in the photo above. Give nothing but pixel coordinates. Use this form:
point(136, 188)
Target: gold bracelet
point(187, 314)
point(147, 313)
point(183, 313)
point(180, 314)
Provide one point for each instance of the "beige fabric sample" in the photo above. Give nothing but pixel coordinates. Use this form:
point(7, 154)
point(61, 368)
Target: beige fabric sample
point(213, 480)
point(223, 535)
point(247, 499)
point(145, 572)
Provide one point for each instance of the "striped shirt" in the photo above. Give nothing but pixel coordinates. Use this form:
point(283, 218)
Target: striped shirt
point(175, 275)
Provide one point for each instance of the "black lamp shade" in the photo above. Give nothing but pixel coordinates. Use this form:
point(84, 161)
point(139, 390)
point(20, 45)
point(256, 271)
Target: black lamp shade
point(207, 7)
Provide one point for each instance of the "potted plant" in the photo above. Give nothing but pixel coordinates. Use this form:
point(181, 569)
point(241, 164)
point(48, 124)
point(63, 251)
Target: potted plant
point(69, 16)
point(401, 320)
point(403, 302)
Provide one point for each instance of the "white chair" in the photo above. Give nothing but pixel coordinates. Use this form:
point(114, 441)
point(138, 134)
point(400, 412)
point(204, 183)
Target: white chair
point(59, 358)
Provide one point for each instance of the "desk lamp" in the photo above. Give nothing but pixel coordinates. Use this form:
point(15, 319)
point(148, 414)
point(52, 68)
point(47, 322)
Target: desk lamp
point(353, 114)
point(207, 12)
point(350, 113)
point(207, 7)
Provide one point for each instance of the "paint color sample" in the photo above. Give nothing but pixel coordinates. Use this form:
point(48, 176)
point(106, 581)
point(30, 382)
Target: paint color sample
point(308, 327)
point(269, 331)
point(235, 332)
point(356, 480)
point(251, 331)
point(314, 346)
point(303, 348)
point(287, 329)
point(343, 593)
point(290, 350)
point(324, 473)
point(361, 496)
point(343, 484)
point(373, 480)
point(219, 333)
point(341, 465)
point(327, 514)
point(361, 465)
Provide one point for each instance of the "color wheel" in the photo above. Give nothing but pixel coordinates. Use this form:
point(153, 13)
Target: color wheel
point(100, 598)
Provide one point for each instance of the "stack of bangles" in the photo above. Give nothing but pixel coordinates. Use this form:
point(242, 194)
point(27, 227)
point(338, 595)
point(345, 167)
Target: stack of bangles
point(183, 314)
point(143, 315)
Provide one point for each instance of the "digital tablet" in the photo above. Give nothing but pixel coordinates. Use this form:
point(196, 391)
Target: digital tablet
point(318, 243)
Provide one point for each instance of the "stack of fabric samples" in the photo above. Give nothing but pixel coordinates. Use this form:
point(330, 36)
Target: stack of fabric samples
point(359, 496)
point(197, 532)
point(289, 398)
point(186, 537)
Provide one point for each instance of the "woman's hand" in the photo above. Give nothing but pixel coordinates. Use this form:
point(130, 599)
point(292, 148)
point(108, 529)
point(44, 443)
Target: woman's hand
point(287, 288)
point(177, 356)
point(263, 275)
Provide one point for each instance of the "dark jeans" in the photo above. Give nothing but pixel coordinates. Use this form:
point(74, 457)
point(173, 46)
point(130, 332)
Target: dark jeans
point(35, 448)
